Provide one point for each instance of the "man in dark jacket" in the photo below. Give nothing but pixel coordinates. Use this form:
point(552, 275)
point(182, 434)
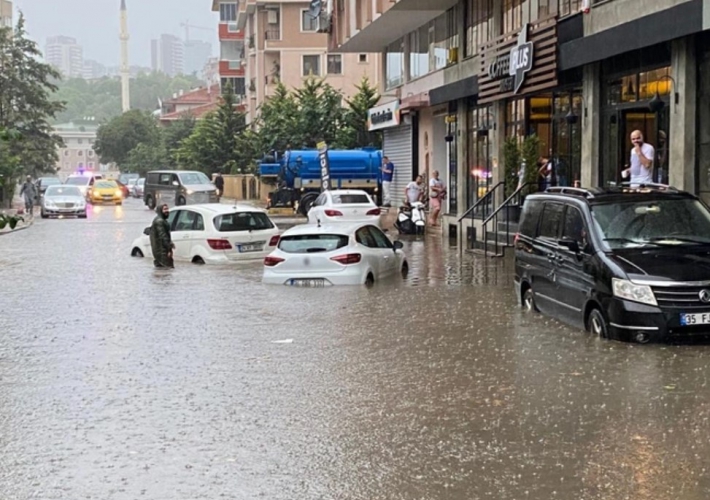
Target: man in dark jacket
point(160, 242)
point(219, 184)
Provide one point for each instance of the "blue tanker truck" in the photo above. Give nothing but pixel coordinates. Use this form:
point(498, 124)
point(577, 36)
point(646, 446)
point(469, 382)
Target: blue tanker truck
point(296, 175)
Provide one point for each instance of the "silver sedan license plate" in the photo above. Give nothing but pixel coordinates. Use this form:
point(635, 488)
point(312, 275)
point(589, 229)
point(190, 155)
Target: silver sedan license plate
point(309, 283)
point(695, 319)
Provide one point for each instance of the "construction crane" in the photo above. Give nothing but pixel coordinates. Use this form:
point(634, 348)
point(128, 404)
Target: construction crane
point(187, 27)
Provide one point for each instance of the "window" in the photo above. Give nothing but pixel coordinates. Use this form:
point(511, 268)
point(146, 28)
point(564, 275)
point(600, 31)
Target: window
point(479, 153)
point(394, 64)
point(80, 141)
point(311, 243)
point(551, 217)
point(362, 58)
point(574, 226)
point(513, 14)
point(349, 199)
point(381, 240)
point(335, 64)
point(80, 153)
point(364, 237)
point(227, 12)
point(165, 179)
point(419, 52)
point(242, 221)
point(311, 65)
point(237, 85)
point(66, 152)
point(529, 218)
point(90, 153)
point(479, 24)
point(91, 164)
point(569, 7)
point(187, 220)
point(308, 22)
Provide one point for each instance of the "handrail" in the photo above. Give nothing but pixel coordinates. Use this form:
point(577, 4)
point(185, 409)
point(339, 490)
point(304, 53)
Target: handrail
point(508, 200)
point(494, 215)
point(480, 201)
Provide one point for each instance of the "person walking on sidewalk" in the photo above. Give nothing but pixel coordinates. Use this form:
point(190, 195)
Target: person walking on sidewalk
point(387, 177)
point(219, 184)
point(161, 243)
point(437, 192)
point(29, 194)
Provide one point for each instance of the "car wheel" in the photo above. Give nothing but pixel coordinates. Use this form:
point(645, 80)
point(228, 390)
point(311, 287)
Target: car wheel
point(82, 216)
point(43, 215)
point(370, 280)
point(136, 252)
point(181, 201)
point(198, 260)
point(529, 301)
point(596, 324)
point(405, 269)
point(150, 201)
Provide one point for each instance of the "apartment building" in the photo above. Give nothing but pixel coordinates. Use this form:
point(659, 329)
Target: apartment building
point(230, 66)
point(66, 55)
point(286, 41)
point(77, 154)
point(5, 13)
point(461, 76)
point(167, 55)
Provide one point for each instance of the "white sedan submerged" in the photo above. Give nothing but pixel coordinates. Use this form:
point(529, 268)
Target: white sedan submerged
point(335, 254)
point(344, 205)
point(216, 234)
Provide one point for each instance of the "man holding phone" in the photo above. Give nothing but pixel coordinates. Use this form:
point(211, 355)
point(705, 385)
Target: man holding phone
point(642, 155)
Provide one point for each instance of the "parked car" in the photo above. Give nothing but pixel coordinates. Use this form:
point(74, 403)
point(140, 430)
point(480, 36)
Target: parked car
point(318, 255)
point(44, 182)
point(83, 181)
point(138, 188)
point(125, 178)
point(63, 201)
point(177, 188)
point(344, 206)
point(628, 263)
point(216, 234)
point(125, 190)
point(105, 191)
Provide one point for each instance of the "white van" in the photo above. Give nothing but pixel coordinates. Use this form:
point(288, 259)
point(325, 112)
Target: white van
point(83, 182)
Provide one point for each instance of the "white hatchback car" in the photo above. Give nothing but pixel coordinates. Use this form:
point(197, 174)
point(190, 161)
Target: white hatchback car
point(216, 234)
point(334, 254)
point(344, 205)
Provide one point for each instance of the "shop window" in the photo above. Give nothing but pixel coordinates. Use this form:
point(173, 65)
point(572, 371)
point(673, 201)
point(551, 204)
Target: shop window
point(452, 141)
point(394, 64)
point(515, 118)
point(478, 179)
point(479, 24)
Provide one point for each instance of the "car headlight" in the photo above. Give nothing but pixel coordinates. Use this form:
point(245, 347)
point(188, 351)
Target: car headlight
point(189, 192)
point(624, 289)
point(119, 192)
point(48, 203)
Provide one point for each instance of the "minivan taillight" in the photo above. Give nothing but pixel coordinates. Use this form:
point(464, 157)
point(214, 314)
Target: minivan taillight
point(333, 213)
point(374, 211)
point(272, 261)
point(349, 258)
point(219, 244)
point(274, 240)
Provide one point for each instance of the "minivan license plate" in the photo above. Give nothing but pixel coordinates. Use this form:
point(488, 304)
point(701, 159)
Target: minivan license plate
point(695, 319)
point(310, 283)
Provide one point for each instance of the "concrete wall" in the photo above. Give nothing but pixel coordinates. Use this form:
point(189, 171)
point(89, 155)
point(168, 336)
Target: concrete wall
point(616, 12)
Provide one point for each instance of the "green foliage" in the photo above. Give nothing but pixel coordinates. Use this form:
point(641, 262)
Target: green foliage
point(117, 138)
point(530, 153)
point(354, 133)
point(101, 98)
point(9, 220)
point(512, 159)
point(27, 107)
point(278, 123)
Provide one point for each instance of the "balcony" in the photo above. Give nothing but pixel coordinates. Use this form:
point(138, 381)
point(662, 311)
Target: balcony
point(230, 31)
point(400, 19)
point(231, 68)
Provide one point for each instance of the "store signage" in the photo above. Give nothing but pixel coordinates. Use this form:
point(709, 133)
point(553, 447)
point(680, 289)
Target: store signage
point(384, 116)
point(511, 68)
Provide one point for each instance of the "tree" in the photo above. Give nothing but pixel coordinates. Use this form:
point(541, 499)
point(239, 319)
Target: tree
point(355, 133)
point(26, 109)
point(277, 123)
point(174, 134)
point(320, 113)
point(216, 144)
point(116, 139)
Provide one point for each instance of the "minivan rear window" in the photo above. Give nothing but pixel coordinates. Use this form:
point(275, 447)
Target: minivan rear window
point(242, 221)
point(312, 243)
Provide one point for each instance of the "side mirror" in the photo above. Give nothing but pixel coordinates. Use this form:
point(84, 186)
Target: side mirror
point(398, 245)
point(176, 183)
point(146, 231)
point(571, 245)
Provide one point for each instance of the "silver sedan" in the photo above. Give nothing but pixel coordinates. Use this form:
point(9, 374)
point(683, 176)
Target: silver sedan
point(63, 201)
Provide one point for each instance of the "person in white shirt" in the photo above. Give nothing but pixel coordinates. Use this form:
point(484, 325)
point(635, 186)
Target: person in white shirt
point(413, 192)
point(436, 194)
point(642, 155)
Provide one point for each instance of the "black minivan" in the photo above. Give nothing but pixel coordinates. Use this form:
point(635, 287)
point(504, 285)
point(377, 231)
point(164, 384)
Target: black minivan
point(628, 263)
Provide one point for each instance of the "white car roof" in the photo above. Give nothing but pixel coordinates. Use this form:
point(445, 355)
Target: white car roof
point(214, 209)
point(341, 228)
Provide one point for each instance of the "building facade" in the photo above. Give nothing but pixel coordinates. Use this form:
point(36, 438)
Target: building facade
point(6, 13)
point(282, 41)
point(462, 76)
point(230, 68)
point(77, 154)
point(93, 70)
point(167, 55)
point(197, 53)
point(196, 104)
point(66, 55)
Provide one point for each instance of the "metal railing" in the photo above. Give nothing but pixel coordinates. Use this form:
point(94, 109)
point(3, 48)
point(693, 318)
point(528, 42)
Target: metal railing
point(480, 209)
point(514, 200)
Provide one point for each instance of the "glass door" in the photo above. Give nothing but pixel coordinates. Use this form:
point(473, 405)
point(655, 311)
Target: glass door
point(654, 127)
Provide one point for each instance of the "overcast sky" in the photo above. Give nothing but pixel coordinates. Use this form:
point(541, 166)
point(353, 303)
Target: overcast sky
point(95, 24)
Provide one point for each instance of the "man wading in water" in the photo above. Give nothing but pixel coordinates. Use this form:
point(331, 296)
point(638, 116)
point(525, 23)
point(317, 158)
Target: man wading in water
point(160, 242)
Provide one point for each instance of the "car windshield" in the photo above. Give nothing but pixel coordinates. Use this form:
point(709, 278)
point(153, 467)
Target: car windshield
point(347, 199)
point(62, 191)
point(77, 181)
point(656, 222)
point(50, 181)
point(242, 221)
point(140, 182)
point(106, 185)
point(194, 178)
point(311, 243)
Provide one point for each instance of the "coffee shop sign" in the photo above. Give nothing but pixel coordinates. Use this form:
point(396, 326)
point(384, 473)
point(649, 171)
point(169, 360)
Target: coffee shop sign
point(384, 116)
point(512, 68)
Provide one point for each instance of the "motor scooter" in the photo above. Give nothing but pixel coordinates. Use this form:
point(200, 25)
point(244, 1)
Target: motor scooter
point(411, 219)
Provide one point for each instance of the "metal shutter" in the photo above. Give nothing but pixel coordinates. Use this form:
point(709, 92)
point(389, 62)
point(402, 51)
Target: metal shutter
point(397, 144)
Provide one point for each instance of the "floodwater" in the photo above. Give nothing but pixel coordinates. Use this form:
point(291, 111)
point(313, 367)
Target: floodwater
point(118, 381)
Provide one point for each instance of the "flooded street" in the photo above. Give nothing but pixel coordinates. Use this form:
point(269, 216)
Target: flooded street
point(118, 381)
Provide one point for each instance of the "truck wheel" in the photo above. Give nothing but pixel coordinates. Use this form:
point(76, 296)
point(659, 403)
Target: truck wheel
point(306, 203)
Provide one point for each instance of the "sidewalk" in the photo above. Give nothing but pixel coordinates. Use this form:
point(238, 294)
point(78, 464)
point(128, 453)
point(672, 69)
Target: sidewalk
point(23, 224)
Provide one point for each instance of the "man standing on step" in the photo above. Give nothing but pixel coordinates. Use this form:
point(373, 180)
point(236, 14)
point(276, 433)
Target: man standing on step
point(387, 177)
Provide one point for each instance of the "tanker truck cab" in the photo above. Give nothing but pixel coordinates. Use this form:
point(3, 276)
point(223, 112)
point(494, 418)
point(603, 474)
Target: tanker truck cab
point(296, 175)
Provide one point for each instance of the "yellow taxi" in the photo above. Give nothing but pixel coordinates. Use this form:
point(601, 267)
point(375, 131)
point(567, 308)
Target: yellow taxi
point(105, 191)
